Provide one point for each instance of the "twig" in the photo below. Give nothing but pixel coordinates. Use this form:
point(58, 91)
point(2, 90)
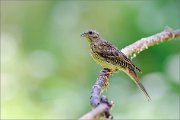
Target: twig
point(100, 103)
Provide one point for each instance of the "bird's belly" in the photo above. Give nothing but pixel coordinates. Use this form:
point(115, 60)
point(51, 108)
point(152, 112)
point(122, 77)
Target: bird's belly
point(105, 64)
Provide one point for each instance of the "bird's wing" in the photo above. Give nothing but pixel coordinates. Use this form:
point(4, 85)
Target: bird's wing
point(112, 53)
point(130, 63)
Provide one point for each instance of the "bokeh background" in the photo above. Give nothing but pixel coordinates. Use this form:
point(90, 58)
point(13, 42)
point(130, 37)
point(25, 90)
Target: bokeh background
point(47, 72)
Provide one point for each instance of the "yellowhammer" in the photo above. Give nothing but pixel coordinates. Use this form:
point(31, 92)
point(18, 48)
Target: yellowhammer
point(108, 56)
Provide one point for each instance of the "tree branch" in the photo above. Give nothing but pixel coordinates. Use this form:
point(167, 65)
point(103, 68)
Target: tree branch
point(142, 44)
point(100, 85)
point(100, 103)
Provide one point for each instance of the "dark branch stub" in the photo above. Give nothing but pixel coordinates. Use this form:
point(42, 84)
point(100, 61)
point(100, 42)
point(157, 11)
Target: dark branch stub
point(107, 114)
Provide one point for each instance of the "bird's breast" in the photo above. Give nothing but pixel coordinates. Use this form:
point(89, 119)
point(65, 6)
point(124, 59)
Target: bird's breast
point(103, 62)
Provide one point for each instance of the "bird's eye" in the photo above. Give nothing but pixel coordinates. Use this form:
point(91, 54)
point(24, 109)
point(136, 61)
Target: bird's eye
point(90, 32)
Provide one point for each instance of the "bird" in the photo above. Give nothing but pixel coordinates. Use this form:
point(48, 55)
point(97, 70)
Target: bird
point(109, 56)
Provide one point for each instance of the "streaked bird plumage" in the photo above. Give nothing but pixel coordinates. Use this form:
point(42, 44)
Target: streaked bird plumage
point(109, 56)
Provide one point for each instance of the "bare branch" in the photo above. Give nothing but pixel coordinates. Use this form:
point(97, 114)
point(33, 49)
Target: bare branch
point(142, 44)
point(100, 104)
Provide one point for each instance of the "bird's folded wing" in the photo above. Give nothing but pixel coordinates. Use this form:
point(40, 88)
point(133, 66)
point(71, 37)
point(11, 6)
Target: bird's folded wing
point(114, 55)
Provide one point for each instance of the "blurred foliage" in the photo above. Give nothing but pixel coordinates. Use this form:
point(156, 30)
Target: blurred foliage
point(47, 72)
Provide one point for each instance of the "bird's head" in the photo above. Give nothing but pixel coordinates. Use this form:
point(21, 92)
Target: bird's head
point(90, 35)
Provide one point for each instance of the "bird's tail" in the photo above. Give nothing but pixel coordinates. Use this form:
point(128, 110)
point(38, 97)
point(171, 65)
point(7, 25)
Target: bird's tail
point(136, 79)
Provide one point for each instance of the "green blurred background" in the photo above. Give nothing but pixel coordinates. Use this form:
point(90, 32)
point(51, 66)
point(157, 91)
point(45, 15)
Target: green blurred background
point(47, 72)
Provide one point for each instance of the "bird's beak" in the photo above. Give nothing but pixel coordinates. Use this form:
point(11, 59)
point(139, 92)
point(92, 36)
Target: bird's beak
point(83, 34)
